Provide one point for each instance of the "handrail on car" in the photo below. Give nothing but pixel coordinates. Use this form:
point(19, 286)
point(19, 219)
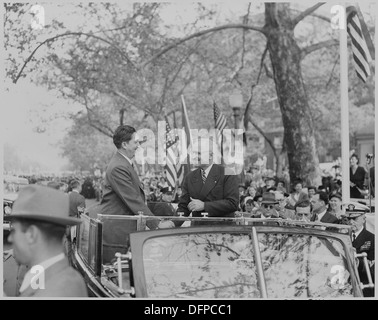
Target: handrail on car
point(341, 228)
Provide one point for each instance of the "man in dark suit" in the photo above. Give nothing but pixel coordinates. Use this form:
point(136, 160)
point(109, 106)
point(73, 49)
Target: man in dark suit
point(208, 189)
point(123, 191)
point(39, 219)
point(319, 209)
point(77, 201)
point(362, 241)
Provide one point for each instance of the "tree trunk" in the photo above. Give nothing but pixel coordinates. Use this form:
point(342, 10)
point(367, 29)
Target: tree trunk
point(285, 56)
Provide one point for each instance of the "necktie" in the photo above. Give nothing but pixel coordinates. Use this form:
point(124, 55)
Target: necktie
point(353, 236)
point(203, 176)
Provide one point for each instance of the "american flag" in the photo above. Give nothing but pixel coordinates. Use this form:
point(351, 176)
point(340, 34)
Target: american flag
point(360, 50)
point(173, 167)
point(220, 122)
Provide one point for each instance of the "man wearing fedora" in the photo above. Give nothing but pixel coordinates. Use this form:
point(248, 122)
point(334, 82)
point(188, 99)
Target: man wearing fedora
point(39, 219)
point(362, 241)
point(269, 205)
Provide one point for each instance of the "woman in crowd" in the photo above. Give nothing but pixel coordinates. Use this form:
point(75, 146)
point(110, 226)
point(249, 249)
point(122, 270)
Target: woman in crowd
point(357, 177)
point(335, 208)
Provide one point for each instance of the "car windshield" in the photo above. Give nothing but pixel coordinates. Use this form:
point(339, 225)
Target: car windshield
point(222, 265)
point(206, 265)
point(304, 266)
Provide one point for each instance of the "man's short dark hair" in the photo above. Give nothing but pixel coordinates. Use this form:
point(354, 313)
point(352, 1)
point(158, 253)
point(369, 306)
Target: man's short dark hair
point(323, 196)
point(74, 184)
point(122, 134)
point(249, 201)
point(51, 231)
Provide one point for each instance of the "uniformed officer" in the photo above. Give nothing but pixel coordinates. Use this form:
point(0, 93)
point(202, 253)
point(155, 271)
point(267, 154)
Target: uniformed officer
point(362, 241)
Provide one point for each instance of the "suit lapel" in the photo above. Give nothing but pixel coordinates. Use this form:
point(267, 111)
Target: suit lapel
point(360, 239)
point(197, 183)
point(211, 180)
point(51, 271)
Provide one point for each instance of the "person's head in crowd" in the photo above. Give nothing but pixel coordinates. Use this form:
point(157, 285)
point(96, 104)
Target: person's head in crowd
point(258, 200)
point(54, 185)
point(311, 190)
point(335, 202)
point(126, 140)
point(303, 210)
point(298, 185)
point(154, 182)
point(280, 197)
point(251, 191)
point(281, 185)
point(241, 190)
point(354, 160)
point(63, 187)
point(167, 194)
point(319, 202)
point(249, 205)
point(253, 183)
point(146, 182)
point(76, 185)
point(39, 219)
point(254, 169)
point(179, 191)
point(268, 205)
point(270, 182)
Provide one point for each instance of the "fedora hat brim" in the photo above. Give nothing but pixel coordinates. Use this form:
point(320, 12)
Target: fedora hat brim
point(52, 219)
point(269, 202)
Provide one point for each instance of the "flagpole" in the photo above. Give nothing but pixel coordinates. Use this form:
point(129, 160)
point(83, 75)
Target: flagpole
point(375, 131)
point(344, 107)
point(186, 125)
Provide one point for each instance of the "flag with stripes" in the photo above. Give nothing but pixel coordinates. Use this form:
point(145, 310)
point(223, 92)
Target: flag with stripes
point(174, 170)
point(361, 55)
point(220, 122)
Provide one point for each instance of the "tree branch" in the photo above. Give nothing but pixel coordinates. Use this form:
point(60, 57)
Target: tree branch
point(199, 34)
point(263, 134)
point(246, 112)
point(317, 46)
point(319, 16)
point(123, 54)
point(307, 12)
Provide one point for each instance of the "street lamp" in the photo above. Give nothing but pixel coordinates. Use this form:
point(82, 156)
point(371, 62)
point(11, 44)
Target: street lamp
point(236, 102)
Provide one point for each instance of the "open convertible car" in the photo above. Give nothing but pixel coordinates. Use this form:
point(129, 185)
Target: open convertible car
point(245, 258)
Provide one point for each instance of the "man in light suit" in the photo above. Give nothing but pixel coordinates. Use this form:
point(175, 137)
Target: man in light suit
point(123, 191)
point(209, 188)
point(39, 219)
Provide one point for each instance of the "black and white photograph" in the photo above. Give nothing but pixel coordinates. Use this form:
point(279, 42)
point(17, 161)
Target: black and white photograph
point(206, 152)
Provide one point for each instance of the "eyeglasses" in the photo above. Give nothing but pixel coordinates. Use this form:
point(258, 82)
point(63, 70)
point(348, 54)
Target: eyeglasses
point(268, 206)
